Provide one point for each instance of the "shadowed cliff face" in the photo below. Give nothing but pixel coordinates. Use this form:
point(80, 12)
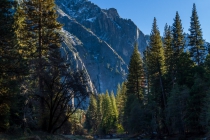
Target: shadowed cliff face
point(99, 41)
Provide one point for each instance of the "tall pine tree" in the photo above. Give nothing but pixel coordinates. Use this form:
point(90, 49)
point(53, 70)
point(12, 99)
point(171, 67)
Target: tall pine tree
point(91, 116)
point(168, 53)
point(11, 68)
point(177, 46)
point(156, 68)
point(167, 44)
point(120, 102)
point(135, 75)
point(106, 123)
point(156, 63)
point(196, 42)
point(178, 37)
point(114, 111)
point(37, 32)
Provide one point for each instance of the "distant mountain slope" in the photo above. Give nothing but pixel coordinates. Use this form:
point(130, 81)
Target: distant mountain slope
point(99, 41)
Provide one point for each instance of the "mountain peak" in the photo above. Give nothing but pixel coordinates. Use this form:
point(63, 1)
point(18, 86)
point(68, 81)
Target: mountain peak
point(111, 13)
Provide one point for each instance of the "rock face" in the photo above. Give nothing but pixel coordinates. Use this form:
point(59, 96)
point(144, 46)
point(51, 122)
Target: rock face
point(99, 41)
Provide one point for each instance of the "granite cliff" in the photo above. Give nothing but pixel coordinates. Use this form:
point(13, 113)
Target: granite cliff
point(98, 41)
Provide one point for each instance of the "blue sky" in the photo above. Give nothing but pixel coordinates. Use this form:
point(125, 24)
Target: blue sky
point(142, 12)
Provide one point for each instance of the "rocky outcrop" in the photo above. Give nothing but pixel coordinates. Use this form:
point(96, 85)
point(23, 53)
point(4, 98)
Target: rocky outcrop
point(99, 41)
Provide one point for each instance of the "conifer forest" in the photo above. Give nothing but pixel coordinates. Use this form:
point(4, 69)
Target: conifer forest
point(166, 93)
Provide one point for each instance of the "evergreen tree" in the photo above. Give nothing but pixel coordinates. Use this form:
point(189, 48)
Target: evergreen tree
point(118, 97)
point(99, 113)
point(168, 53)
point(37, 32)
point(177, 45)
point(120, 102)
point(185, 70)
point(167, 44)
point(127, 111)
point(114, 112)
point(178, 37)
point(135, 75)
point(107, 113)
point(206, 108)
point(147, 74)
point(156, 62)
point(135, 119)
point(91, 116)
point(156, 69)
point(207, 66)
point(176, 110)
point(181, 73)
point(11, 68)
point(8, 48)
point(134, 85)
point(197, 107)
point(25, 38)
point(197, 49)
point(6, 38)
point(139, 119)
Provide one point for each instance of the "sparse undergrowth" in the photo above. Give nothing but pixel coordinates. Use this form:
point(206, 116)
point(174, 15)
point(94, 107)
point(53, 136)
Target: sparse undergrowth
point(42, 136)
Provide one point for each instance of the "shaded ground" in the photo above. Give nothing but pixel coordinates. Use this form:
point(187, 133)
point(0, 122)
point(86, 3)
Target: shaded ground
point(77, 137)
point(46, 136)
point(107, 139)
point(41, 136)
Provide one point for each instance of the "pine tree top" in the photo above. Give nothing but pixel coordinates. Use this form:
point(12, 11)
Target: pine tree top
point(156, 45)
point(155, 30)
point(196, 42)
point(178, 37)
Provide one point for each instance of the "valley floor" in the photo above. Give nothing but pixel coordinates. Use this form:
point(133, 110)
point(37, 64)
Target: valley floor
point(42, 136)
